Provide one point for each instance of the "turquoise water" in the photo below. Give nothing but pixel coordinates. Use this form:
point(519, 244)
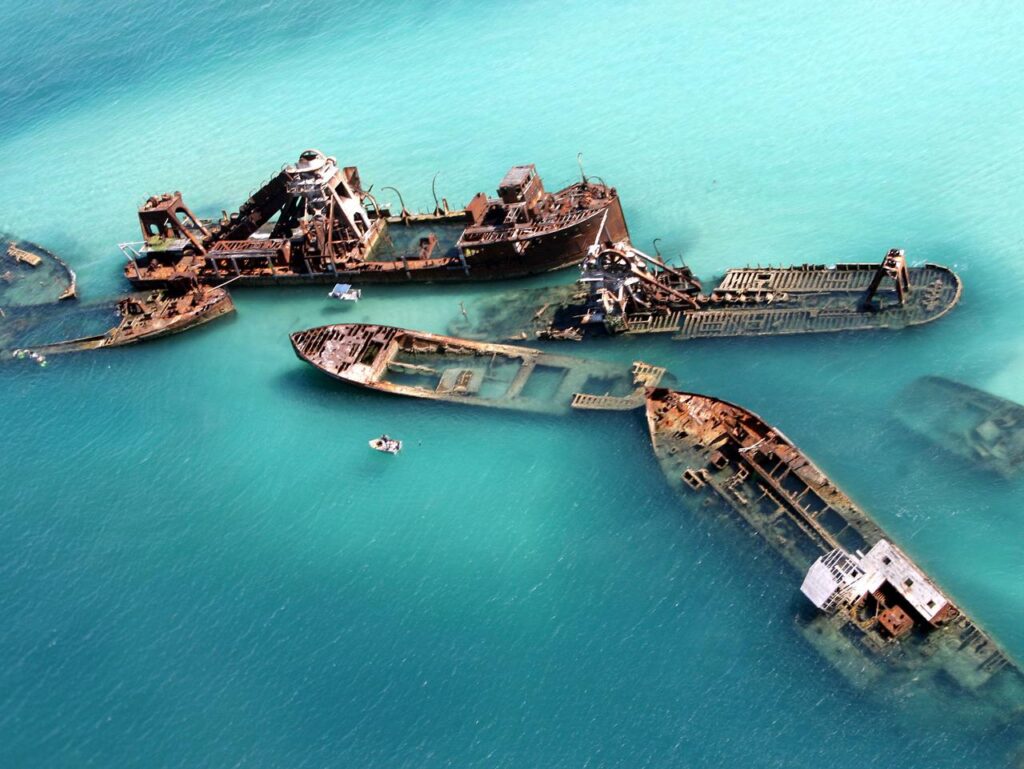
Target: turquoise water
point(203, 565)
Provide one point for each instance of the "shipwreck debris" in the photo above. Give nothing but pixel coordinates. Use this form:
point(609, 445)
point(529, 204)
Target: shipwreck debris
point(23, 256)
point(315, 223)
point(968, 422)
point(622, 290)
point(344, 292)
point(422, 365)
point(877, 610)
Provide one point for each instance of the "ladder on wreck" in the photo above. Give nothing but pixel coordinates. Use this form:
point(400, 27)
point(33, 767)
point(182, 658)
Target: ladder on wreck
point(646, 375)
point(586, 401)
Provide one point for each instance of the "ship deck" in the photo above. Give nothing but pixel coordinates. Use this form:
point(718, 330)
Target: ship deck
point(817, 299)
point(402, 240)
point(434, 367)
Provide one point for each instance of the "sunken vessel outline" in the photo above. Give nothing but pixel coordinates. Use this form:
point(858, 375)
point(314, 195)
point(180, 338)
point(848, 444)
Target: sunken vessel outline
point(21, 261)
point(967, 422)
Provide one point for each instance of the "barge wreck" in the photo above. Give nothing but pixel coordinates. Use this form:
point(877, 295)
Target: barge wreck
point(875, 611)
point(315, 223)
point(136, 318)
point(971, 423)
point(433, 367)
point(622, 290)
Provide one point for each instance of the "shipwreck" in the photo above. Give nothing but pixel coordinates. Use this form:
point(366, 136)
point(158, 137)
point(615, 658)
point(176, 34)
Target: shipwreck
point(622, 290)
point(965, 421)
point(31, 274)
point(874, 610)
point(137, 317)
point(315, 223)
point(443, 368)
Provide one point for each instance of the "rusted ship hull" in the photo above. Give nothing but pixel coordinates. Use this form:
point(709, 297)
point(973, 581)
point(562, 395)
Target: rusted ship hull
point(499, 261)
point(727, 459)
point(624, 292)
point(314, 224)
point(818, 299)
point(971, 423)
point(144, 317)
point(434, 367)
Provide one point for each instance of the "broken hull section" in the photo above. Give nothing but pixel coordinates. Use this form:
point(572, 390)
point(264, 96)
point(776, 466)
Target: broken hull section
point(967, 422)
point(726, 459)
point(433, 367)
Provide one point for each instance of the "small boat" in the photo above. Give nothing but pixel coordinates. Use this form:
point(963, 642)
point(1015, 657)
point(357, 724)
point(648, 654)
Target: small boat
point(345, 292)
point(386, 444)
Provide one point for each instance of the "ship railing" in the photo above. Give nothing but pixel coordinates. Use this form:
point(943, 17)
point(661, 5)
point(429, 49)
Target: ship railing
point(514, 233)
point(132, 252)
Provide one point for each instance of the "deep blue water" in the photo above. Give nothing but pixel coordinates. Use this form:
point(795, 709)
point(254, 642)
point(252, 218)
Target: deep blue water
point(202, 564)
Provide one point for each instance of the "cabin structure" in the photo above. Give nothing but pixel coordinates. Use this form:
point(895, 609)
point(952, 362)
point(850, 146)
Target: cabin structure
point(884, 581)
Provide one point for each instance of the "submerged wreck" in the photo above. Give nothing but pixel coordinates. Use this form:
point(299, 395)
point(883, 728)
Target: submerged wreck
point(968, 422)
point(622, 290)
point(30, 274)
point(315, 223)
point(444, 368)
point(875, 611)
point(138, 317)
